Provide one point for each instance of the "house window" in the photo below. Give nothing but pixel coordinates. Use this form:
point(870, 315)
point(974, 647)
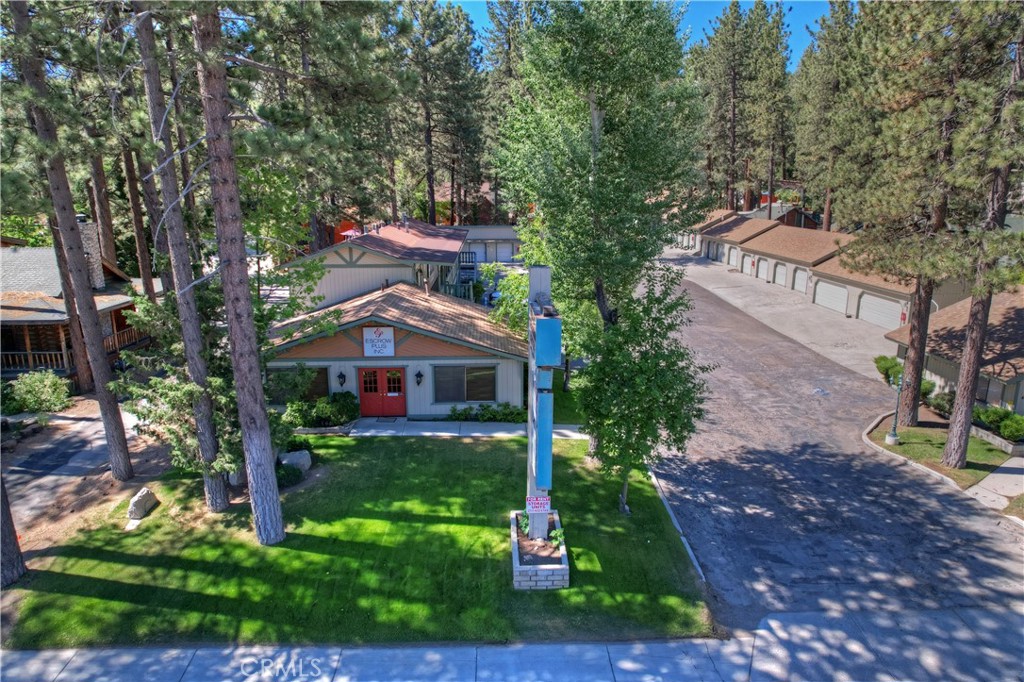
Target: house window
point(460, 384)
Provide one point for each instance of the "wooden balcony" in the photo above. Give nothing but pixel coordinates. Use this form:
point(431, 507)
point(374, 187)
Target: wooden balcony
point(62, 361)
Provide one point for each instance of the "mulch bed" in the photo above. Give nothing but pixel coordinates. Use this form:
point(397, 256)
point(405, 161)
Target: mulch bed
point(537, 552)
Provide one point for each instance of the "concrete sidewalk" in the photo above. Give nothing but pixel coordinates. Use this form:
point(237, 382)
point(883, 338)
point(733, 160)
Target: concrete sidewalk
point(996, 489)
point(950, 644)
point(849, 342)
point(373, 426)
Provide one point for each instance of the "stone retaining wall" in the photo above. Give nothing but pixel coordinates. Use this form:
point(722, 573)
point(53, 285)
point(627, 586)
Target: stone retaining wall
point(1012, 449)
point(538, 577)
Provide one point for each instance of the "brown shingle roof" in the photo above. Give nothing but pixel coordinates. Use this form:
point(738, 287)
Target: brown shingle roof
point(36, 307)
point(797, 244)
point(417, 241)
point(833, 268)
point(713, 218)
point(738, 229)
point(1004, 342)
point(408, 306)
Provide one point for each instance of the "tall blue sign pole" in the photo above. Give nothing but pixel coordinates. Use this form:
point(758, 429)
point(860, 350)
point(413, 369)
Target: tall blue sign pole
point(545, 357)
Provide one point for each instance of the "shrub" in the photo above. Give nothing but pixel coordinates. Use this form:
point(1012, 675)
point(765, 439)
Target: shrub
point(8, 403)
point(287, 475)
point(299, 413)
point(1012, 428)
point(890, 367)
point(41, 391)
point(942, 402)
point(927, 386)
point(993, 416)
point(335, 410)
point(976, 415)
point(500, 412)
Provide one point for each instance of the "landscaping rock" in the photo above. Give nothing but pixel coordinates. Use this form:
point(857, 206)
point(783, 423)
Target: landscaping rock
point(140, 505)
point(300, 459)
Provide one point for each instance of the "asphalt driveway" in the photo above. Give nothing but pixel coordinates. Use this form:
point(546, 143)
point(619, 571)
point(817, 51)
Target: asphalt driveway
point(788, 511)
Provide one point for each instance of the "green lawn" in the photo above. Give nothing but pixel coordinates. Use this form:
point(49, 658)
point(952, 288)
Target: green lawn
point(402, 540)
point(926, 445)
point(567, 410)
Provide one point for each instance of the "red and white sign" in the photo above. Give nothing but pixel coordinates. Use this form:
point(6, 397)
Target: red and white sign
point(378, 342)
point(538, 504)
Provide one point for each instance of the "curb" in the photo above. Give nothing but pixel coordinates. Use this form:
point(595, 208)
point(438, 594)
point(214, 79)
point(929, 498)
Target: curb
point(878, 448)
point(675, 522)
point(931, 472)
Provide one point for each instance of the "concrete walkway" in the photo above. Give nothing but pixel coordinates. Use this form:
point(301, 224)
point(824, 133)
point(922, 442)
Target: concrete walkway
point(374, 426)
point(996, 489)
point(950, 644)
point(849, 342)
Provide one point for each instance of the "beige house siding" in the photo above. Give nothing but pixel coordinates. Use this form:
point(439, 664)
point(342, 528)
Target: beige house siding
point(351, 272)
point(945, 374)
point(420, 399)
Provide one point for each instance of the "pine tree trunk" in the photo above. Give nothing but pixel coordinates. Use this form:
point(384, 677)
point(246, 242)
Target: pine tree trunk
point(826, 216)
point(955, 453)
point(179, 125)
point(181, 263)
point(245, 352)
point(31, 67)
point(83, 373)
point(103, 215)
point(771, 177)
point(913, 363)
point(428, 154)
point(91, 198)
point(151, 198)
point(12, 562)
point(730, 181)
point(131, 178)
point(451, 194)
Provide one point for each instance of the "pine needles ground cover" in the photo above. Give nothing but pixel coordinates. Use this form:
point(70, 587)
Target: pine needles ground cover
point(401, 540)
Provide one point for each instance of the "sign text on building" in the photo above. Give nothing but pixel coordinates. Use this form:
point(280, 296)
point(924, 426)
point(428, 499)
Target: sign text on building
point(378, 342)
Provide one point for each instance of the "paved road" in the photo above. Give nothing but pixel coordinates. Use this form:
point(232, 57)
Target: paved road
point(788, 511)
point(54, 459)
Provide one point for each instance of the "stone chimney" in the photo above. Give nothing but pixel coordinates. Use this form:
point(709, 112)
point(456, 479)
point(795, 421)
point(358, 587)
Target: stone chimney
point(91, 242)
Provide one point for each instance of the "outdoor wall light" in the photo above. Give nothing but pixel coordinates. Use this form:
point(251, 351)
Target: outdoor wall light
point(419, 378)
point(341, 379)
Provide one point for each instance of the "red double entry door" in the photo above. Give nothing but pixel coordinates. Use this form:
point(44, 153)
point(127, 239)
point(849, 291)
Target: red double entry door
point(382, 392)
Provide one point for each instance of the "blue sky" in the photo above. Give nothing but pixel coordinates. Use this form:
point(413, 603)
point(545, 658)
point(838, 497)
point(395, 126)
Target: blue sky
point(699, 16)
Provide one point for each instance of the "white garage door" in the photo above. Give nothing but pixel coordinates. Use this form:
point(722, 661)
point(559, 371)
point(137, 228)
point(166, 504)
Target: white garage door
point(800, 280)
point(733, 253)
point(480, 251)
point(748, 265)
point(884, 312)
point(831, 296)
point(780, 274)
point(505, 252)
point(762, 270)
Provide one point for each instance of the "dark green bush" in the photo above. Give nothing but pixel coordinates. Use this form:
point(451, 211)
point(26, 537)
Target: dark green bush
point(287, 475)
point(993, 416)
point(942, 402)
point(41, 391)
point(927, 386)
point(8, 403)
point(338, 409)
point(890, 367)
point(500, 412)
point(299, 413)
point(1012, 428)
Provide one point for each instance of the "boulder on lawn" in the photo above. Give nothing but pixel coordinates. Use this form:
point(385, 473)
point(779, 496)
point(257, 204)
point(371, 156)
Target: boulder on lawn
point(300, 459)
point(140, 505)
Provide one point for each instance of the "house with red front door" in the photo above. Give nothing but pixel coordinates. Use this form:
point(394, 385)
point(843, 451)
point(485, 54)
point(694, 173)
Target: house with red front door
point(406, 351)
